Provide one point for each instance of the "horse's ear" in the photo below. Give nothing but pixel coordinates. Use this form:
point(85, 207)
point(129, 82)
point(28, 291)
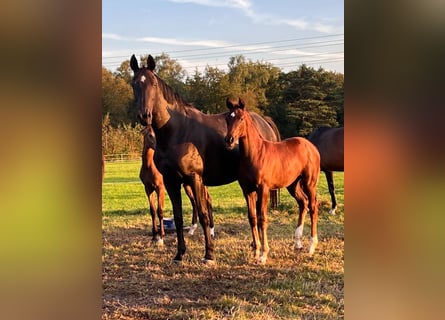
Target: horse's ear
point(134, 63)
point(241, 103)
point(229, 103)
point(151, 64)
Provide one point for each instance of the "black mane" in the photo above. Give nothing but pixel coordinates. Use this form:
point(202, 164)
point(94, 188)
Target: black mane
point(170, 95)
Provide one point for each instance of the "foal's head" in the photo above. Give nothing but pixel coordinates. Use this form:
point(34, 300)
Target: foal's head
point(144, 85)
point(236, 124)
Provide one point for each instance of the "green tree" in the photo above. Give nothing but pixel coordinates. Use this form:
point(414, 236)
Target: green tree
point(306, 99)
point(117, 99)
point(124, 72)
point(250, 80)
point(205, 90)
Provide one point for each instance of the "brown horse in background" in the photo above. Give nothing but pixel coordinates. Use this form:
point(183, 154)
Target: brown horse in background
point(330, 144)
point(293, 163)
point(154, 184)
point(190, 147)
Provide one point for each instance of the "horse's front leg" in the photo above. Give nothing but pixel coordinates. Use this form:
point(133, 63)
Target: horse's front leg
point(263, 223)
point(251, 198)
point(199, 192)
point(174, 192)
point(330, 181)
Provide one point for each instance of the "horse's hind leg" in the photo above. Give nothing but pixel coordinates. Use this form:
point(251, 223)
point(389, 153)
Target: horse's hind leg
point(194, 226)
point(330, 181)
point(189, 193)
point(199, 192)
point(309, 186)
point(296, 192)
point(210, 210)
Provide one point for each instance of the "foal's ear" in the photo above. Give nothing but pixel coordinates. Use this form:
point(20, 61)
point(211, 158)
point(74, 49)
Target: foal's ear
point(241, 103)
point(151, 64)
point(134, 63)
point(229, 104)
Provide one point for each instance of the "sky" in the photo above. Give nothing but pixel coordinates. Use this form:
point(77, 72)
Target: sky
point(197, 33)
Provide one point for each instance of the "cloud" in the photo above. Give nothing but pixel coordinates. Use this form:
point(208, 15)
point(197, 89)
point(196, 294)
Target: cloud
point(172, 41)
point(247, 9)
point(239, 4)
point(111, 36)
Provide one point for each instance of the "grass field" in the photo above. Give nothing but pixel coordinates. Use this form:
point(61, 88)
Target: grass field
point(140, 281)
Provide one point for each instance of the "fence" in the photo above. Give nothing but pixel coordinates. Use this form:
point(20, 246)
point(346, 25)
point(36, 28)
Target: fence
point(122, 157)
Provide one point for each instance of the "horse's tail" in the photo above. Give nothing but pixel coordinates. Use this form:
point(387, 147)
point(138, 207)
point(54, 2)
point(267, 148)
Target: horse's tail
point(275, 193)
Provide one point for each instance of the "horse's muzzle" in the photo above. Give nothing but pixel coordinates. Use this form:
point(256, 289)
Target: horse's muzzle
point(145, 118)
point(230, 142)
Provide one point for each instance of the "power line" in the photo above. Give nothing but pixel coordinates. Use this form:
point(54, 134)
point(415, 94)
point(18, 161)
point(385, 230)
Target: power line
point(255, 51)
point(238, 45)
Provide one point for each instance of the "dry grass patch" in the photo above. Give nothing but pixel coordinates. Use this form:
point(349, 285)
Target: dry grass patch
point(141, 281)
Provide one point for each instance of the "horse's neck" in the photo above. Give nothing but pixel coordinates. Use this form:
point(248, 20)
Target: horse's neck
point(251, 143)
point(147, 158)
point(161, 113)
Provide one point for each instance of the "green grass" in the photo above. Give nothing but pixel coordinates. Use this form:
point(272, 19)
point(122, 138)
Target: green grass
point(141, 282)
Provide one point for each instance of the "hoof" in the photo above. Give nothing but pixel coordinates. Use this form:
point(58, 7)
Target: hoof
point(332, 211)
point(208, 262)
point(212, 232)
point(193, 228)
point(177, 262)
point(314, 242)
point(261, 260)
point(298, 245)
point(157, 242)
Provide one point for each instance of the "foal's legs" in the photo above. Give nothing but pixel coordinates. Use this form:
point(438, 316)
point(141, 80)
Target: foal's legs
point(251, 199)
point(309, 186)
point(160, 191)
point(330, 180)
point(296, 192)
point(151, 204)
point(263, 197)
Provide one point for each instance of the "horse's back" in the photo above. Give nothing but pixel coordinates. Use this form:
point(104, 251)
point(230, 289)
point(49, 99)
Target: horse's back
point(330, 144)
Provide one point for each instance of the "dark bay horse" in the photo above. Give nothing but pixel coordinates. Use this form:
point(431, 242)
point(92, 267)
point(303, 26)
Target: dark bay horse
point(154, 185)
point(330, 144)
point(293, 163)
point(190, 147)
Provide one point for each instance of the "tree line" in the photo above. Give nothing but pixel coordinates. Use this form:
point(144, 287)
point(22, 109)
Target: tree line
point(299, 101)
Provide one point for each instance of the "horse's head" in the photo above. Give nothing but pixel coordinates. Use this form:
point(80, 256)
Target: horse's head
point(145, 91)
point(236, 126)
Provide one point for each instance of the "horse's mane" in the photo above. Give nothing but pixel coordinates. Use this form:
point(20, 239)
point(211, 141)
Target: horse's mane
point(274, 127)
point(170, 95)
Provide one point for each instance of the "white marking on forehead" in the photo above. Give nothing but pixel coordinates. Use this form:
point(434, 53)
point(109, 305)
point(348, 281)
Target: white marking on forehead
point(143, 79)
point(232, 114)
